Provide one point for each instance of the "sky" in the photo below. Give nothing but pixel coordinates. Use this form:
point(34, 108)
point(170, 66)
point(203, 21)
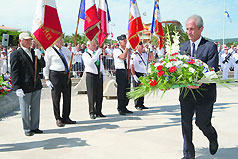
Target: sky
point(20, 14)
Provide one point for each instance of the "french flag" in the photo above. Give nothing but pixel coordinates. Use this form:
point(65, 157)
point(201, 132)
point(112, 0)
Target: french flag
point(91, 19)
point(156, 26)
point(104, 16)
point(135, 25)
point(46, 27)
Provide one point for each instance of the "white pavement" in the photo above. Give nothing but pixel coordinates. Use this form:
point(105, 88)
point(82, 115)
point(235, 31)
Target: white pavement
point(150, 134)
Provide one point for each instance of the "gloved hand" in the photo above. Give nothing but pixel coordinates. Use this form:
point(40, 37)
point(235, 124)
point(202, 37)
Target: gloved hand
point(38, 53)
point(103, 78)
point(237, 62)
point(20, 93)
point(224, 62)
point(98, 52)
point(49, 84)
point(136, 78)
point(128, 45)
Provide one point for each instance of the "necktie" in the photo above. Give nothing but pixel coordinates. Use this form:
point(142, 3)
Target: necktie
point(193, 45)
point(64, 61)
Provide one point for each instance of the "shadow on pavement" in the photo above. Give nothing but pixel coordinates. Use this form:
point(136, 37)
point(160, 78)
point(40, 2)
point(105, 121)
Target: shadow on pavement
point(222, 153)
point(55, 143)
point(110, 118)
point(172, 110)
point(67, 130)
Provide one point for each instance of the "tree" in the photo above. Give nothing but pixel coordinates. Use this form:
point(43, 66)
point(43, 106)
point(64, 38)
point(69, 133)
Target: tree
point(171, 28)
point(15, 35)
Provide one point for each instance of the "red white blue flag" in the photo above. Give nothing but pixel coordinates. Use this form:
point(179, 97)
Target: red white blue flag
point(104, 16)
point(91, 19)
point(135, 25)
point(156, 26)
point(46, 27)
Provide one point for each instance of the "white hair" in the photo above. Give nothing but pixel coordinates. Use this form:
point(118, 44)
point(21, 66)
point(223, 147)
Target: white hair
point(199, 21)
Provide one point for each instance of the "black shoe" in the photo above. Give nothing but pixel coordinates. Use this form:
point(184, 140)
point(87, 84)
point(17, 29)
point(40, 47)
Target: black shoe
point(37, 131)
point(68, 121)
point(128, 111)
point(188, 158)
point(144, 107)
point(59, 123)
point(92, 116)
point(213, 146)
point(138, 108)
point(100, 115)
point(29, 133)
point(122, 112)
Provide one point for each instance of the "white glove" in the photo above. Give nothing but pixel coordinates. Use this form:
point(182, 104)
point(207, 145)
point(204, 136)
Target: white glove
point(103, 78)
point(136, 78)
point(98, 52)
point(20, 93)
point(49, 84)
point(38, 53)
point(128, 46)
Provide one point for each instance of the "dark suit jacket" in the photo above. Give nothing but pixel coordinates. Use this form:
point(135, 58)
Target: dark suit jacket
point(22, 71)
point(207, 52)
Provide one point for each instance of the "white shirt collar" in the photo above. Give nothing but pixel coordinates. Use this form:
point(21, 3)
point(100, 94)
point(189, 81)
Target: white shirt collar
point(196, 43)
point(90, 51)
point(57, 47)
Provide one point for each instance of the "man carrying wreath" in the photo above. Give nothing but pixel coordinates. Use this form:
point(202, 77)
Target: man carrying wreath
point(205, 95)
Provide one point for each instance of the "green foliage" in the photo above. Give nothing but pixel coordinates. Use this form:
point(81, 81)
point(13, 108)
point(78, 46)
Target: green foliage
point(82, 39)
point(171, 29)
point(15, 35)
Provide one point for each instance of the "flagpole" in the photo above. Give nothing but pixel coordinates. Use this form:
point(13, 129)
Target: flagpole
point(224, 23)
point(75, 36)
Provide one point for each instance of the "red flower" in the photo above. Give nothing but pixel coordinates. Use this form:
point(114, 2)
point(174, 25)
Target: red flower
point(172, 69)
point(153, 63)
point(159, 67)
point(160, 73)
point(1, 91)
point(174, 54)
point(141, 83)
point(153, 83)
point(172, 60)
point(191, 61)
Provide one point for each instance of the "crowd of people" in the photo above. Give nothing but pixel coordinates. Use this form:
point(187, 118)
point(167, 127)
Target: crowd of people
point(27, 62)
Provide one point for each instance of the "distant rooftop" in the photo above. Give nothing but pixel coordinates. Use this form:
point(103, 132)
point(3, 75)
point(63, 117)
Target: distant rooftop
point(2, 27)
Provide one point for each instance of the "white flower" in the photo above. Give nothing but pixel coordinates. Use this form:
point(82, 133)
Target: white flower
point(168, 65)
point(177, 63)
point(185, 57)
point(157, 64)
point(191, 69)
point(185, 65)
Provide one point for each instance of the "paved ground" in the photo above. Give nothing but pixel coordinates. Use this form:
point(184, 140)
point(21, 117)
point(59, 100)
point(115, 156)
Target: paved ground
point(150, 134)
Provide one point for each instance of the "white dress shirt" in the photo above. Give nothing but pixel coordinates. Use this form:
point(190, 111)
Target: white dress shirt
point(119, 63)
point(196, 44)
point(28, 52)
point(138, 63)
point(89, 62)
point(108, 52)
point(53, 62)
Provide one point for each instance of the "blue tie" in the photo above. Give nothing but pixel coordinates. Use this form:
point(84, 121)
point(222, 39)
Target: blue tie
point(193, 45)
point(64, 61)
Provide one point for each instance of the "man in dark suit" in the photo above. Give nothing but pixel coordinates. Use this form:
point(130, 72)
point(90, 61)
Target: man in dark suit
point(203, 103)
point(27, 84)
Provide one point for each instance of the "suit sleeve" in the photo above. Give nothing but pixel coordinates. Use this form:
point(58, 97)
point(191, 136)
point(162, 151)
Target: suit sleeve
point(213, 57)
point(15, 70)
